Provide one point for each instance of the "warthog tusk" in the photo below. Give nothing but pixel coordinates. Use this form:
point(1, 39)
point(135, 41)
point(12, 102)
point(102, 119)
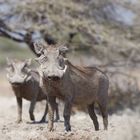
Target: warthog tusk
point(61, 72)
point(28, 78)
point(25, 77)
point(64, 70)
point(8, 76)
point(40, 73)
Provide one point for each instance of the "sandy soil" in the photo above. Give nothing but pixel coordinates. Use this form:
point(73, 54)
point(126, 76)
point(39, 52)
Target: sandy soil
point(122, 126)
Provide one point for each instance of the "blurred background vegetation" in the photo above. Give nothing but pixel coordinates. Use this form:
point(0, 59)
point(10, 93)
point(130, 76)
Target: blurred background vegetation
point(11, 49)
point(103, 33)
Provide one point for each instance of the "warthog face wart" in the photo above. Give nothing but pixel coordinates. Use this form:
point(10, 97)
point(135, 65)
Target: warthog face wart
point(52, 61)
point(18, 71)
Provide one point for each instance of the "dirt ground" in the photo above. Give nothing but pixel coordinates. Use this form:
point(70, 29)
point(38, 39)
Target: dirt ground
point(122, 126)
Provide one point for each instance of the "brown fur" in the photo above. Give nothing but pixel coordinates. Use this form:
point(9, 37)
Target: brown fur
point(29, 90)
point(75, 85)
point(82, 86)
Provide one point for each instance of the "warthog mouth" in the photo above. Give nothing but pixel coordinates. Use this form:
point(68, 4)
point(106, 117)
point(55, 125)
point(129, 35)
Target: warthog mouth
point(16, 84)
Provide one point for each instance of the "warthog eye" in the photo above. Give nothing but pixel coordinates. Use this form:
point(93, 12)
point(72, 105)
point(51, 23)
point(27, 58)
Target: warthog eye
point(61, 62)
point(24, 70)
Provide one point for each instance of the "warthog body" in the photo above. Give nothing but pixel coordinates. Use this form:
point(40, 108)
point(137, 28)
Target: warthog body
point(75, 85)
point(25, 84)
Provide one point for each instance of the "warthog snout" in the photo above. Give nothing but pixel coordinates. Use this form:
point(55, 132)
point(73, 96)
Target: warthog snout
point(16, 79)
point(53, 78)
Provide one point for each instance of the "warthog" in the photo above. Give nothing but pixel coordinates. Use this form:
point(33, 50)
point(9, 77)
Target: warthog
point(25, 84)
point(75, 85)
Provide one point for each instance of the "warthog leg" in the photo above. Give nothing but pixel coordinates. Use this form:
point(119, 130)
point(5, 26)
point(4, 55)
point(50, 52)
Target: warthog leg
point(45, 113)
point(103, 100)
point(51, 107)
point(57, 112)
point(31, 109)
point(19, 104)
point(104, 113)
point(67, 113)
point(93, 116)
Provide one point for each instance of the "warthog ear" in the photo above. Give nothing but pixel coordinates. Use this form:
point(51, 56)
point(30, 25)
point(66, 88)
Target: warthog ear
point(63, 49)
point(38, 46)
point(36, 59)
point(10, 65)
point(9, 62)
point(28, 62)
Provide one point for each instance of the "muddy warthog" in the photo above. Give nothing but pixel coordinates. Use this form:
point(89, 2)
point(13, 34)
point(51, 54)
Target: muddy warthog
point(75, 85)
point(25, 84)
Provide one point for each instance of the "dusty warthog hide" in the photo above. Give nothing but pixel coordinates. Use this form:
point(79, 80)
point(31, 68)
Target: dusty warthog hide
point(25, 84)
point(75, 85)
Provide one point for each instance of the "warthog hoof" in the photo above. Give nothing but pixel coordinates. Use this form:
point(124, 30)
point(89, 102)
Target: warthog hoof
point(42, 120)
point(105, 128)
point(18, 121)
point(67, 128)
point(57, 120)
point(32, 117)
point(96, 128)
point(50, 129)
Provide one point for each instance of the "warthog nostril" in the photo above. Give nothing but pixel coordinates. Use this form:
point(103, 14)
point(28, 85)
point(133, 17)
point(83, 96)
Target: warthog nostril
point(16, 83)
point(54, 78)
point(49, 77)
